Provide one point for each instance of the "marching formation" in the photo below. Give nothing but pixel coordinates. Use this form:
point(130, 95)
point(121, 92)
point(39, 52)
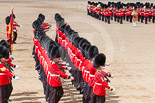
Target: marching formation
point(47, 56)
point(131, 12)
point(68, 51)
point(82, 59)
point(87, 63)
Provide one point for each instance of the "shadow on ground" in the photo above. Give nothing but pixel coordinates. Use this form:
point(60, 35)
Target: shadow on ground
point(31, 96)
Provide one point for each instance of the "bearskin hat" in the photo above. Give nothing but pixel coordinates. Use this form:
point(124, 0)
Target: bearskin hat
point(4, 43)
point(82, 48)
point(55, 52)
point(13, 16)
point(99, 60)
point(74, 35)
point(86, 51)
point(7, 20)
point(4, 52)
point(81, 42)
point(41, 18)
point(92, 52)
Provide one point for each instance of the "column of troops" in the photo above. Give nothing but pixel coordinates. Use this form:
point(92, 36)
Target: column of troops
point(69, 52)
point(120, 11)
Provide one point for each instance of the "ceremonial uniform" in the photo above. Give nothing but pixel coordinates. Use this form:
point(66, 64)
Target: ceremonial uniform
point(153, 15)
point(146, 15)
point(99, 87)
point(142, 14)
point(5, 75)
point(99, 83)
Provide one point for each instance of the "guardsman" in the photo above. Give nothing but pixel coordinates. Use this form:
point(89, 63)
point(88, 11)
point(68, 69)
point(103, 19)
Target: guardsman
point(114, 13)
point(56, 90)
point(142, 13)
point(149, 14)
point(40, 22)
point(138, 11)
point(99, 82)
point(108, 15)
point(5, 75)
point(14, 28)
point(130, 11)
point(146, 14)
point(153, 14)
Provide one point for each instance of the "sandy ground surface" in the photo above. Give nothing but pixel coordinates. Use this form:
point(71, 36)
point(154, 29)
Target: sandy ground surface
point(130, 50)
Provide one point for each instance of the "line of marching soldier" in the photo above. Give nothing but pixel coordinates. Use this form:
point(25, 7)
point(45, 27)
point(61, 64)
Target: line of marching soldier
point(86, 62)
point(6, 72)
point(46, 53)
point(120, 11)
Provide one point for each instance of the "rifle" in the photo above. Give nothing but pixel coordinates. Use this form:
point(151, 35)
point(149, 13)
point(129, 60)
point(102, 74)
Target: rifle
point(108, 80)
point(7, 66)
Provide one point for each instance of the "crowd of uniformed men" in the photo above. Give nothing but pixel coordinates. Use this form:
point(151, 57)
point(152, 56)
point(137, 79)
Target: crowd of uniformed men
point(70, 52)
point(120, 12)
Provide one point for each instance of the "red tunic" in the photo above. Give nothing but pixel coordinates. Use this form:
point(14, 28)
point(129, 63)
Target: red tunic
point(4, 75)
point(100, 84)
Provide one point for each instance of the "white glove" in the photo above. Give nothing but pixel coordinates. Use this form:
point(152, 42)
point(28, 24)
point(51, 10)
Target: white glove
point(16, 77)
point(15, 30)
point(16, 66)
point(67, 64)
point(72, 78)
point(112, 89)
point(12, 57)
point(20, 25)
point(69, 68)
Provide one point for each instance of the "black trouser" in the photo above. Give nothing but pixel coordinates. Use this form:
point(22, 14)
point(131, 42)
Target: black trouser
point(103, 17)
point(100, 99)
point(112, 17)
point(47, 92)
point(127, 18)
point(92, 96)
point(100, 16)
point(97, 16)
point(118, 19)
point(63, 53)
point(85, 95)
point(142, 18)
point(121, 19)
point(115, 17)
point(5, 91)
point(124, 16)
point(9, 90)
point(15, 36)
point(146, 20)
point(130, 18)
point(108, 19)
point(139, 17)
point(153, 19)
point(89, 96)
point(88, 12)
point(55, 94)
point(150, 17)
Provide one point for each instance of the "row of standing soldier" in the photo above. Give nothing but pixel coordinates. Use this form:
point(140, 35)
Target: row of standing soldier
point(94, 60)
point(86, 62)
point(120, 11)
point(52, 87)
